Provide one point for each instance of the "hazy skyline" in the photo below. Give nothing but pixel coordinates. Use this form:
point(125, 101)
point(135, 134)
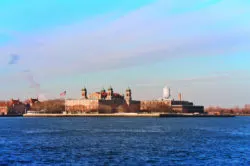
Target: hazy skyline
point(199, 48)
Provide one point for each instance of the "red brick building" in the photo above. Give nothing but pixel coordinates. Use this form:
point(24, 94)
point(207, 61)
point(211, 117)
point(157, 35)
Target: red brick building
point(16, 107)
point(3, 108)
point(103, 102)
point(168, 105)
point(247, 106)
point(31, 101)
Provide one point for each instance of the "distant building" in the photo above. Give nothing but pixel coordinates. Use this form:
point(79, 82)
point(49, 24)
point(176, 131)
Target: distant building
point(13, 102)
point(16, 107)
point(171, 105)
point(186, 107)
point(247, 106)
point(111, 102)
point(3, 108)
point(103, 102)
point(32, 101)
point(167, 104)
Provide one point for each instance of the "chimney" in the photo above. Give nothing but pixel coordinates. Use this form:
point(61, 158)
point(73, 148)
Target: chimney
point(180, 97)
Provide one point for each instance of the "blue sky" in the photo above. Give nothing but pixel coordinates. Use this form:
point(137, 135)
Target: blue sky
point(199, 48)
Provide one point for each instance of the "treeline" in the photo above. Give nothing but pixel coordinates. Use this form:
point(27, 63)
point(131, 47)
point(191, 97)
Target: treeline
point(51, 106)
point(235, 110)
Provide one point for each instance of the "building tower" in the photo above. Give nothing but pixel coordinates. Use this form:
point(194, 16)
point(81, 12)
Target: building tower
point(128, 96)
point(102, 94)
point(84, 93)
point(110, 93)
point(180, 97)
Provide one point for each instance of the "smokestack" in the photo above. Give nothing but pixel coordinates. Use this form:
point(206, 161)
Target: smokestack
point(179, 96)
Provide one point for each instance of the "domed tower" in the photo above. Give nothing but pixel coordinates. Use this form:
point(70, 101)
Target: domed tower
point(128, 96)
point(103, 90)
point(103, 94)
point(110, 93)
point(84, 93)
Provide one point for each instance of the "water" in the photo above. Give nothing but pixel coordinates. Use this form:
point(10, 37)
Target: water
point(125, 141)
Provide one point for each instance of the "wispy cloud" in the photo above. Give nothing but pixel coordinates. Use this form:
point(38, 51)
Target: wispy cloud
point(30, 78)
point(13, 59)
point(147, 35)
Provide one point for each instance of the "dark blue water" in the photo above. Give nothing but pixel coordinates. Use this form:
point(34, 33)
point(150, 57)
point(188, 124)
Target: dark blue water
point(125, 141)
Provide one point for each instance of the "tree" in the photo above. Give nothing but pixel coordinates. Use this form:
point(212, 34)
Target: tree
point(105, 109)
point(50, 106)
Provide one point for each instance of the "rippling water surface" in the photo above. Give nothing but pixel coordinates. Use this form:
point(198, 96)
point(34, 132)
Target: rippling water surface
point(125, 141)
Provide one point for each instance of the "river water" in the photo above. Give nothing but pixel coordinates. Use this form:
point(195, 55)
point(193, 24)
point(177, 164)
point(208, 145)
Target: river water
point(125, 141)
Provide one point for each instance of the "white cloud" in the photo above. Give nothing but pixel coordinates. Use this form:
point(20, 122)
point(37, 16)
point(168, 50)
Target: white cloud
point(147, 35)
point(142, 36)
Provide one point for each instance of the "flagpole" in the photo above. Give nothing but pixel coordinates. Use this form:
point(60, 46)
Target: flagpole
point(65, 103)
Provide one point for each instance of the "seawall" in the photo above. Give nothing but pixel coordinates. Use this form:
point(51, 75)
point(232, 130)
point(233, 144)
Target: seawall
point(10, 116)
point(131, 115)
point(195, 116)
point(92, 115)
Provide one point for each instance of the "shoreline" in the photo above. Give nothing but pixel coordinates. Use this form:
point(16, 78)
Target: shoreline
point(159, 115)
point(92, 115)
point(195, 116)
point(2, 116)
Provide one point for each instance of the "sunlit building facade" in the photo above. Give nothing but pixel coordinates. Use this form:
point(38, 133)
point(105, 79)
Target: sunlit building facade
point(103, 102)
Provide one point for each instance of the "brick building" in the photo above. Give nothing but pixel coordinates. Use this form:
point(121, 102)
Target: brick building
point(3, 108)
point(170, 106)
point(110, 102)
point(16, 107)
point(103, 102)
point(32, 101)
point(247, 106)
